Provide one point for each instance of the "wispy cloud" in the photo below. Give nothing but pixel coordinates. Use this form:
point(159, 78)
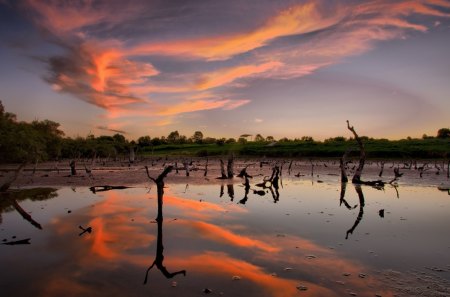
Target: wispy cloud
point(133, 75)
point(104, 128)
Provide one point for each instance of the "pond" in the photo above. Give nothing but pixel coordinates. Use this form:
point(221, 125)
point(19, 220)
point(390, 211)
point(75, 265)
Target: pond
point(307, 238)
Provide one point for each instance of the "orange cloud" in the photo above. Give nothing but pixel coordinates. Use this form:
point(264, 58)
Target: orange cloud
point(216, 263)
point(225, 76)
point(197, 105)
point(299, 19)
point(220, 234)
point(63, 17)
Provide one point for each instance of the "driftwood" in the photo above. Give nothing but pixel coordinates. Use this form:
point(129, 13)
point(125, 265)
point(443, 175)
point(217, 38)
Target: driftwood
point(159, 258)
point(271, 183)
point(17, 242)
point(96, 189)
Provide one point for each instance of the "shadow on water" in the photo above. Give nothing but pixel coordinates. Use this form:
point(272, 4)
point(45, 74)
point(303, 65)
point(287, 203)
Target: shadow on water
point(159, 258)
point(9, 201)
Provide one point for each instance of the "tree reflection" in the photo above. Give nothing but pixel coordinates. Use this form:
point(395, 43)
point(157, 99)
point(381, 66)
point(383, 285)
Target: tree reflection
point(361, 210)
point(10, 201)
point(159, 258)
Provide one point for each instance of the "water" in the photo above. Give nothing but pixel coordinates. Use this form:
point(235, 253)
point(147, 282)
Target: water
point(306, 242)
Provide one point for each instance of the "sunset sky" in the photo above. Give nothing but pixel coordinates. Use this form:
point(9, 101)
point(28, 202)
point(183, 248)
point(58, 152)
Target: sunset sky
point(281, 68)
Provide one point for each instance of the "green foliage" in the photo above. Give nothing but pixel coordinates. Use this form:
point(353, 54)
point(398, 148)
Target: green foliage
point(443, 133)
point(42, 140)
point(20, 141)
point(197, 137)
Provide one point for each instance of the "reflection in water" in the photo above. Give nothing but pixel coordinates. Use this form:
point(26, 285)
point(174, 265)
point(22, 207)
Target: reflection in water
point(230, 191)
point(159, 258)
point(342, 197)
point(10, 200)
point(216, 240)
point(361, 210)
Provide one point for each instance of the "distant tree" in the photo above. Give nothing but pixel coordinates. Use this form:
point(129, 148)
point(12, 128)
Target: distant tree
point(182, 139)
point(242, 140)
point(156, 141)
point(144, 141)
point(443, 133)
point(220, 141)
point(270, 139)
point(197, 137)
point(259, 138)
point(230, 140)
point(307, 138)
point(209, 140)
point(119, 138)
point(173, 137)
point(284, 139)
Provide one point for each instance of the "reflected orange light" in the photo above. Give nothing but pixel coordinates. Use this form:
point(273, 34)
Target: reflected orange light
point(222, 235)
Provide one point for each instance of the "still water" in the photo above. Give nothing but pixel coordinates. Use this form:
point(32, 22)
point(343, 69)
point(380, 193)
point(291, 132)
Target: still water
point(214, 240)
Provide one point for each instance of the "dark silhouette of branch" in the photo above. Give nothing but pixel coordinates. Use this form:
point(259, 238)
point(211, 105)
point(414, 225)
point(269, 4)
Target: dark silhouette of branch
point(159, 258)
point(362, 156)
point(361, 210)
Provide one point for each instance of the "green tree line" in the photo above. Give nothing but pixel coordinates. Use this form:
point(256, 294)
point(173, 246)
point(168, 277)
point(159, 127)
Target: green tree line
point(44, 140)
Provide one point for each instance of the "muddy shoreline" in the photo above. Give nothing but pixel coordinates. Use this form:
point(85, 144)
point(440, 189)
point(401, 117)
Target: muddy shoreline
point(117, 173)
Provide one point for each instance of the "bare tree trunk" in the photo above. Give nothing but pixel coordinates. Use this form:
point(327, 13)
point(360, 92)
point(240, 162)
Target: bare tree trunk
point(382, 168)
point(5, 186)
point(290, 166)
point(230, 165)
point(362, 156)
point(73, 170)
point(132, 155)
point(448, 169)
point(186, 167)
point(222, 170)
point(344, 178)
point(206, 167)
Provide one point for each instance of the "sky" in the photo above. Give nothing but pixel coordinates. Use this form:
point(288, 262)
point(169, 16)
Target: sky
point(281, 68)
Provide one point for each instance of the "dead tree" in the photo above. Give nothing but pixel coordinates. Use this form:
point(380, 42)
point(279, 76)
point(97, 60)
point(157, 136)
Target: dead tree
point(159, 258)
point(243, 173)
point(222, 170)
point(206, 168)
point(7, 183)
point(448, 169)
point(343, 164)
point(73, 170)
point(186, 167)
point(362, 156)
point(230, 166)
point(381, 170)
point(290, 167)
